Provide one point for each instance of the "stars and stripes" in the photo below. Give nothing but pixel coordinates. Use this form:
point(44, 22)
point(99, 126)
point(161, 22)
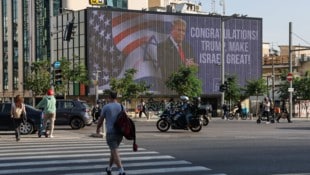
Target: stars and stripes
point(121, 40)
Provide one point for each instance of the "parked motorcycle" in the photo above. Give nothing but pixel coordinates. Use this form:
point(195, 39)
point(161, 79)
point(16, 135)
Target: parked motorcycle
point(175, 117)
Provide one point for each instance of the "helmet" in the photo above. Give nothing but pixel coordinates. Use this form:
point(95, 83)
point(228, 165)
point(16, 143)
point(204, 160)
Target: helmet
point(184, 98)
point(50, 92)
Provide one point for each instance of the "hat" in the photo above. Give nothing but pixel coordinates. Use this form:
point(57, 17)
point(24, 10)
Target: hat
point(50, 92)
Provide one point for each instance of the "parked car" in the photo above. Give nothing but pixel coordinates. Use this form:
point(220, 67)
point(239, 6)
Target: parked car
point(75, 113)
point(30, 126)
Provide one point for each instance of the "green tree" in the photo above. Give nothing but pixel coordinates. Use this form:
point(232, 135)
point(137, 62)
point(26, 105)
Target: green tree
point(127, 87)
point(38, 80)
point(76, 73)
point(256, 87)
point(185, 81)
point(301, 87)
point(233, 90)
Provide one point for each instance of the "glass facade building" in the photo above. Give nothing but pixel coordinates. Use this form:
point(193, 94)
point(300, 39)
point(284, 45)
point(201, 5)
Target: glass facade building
point(24, 38)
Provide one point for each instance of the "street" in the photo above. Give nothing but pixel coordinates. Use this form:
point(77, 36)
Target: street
point(234, 147)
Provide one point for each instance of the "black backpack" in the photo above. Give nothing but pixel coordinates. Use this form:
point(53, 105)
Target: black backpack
point(126, 127)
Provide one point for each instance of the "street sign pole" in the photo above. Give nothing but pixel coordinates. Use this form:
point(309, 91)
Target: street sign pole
point(290, 70)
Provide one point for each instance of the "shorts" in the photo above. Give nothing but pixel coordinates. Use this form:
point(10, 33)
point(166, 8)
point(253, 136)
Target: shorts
point(114, 140)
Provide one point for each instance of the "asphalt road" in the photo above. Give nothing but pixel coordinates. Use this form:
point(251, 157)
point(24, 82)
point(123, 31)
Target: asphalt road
point(237, 147)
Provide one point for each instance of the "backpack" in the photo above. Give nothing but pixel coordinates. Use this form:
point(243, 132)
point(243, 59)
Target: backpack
point(126, 127)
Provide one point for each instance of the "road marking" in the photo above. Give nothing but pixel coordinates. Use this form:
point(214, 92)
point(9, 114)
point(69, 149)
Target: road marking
point(59, 162)
point(86, 156)
point(44, 156)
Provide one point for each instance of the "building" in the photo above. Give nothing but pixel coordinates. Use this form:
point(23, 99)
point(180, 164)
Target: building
point(24, 38)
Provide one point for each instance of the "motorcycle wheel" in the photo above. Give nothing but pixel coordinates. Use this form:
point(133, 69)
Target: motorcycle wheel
point(196, 128)
point(205, 121)
point(162, 125)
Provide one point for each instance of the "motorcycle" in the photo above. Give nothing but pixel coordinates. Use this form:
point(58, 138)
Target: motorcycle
point(175, 117)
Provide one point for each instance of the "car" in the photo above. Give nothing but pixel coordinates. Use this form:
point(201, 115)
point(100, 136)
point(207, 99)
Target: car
point(75, 113)
point(29, 127)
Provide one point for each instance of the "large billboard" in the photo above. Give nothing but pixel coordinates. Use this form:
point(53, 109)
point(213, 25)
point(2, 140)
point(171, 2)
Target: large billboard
point(156, 44)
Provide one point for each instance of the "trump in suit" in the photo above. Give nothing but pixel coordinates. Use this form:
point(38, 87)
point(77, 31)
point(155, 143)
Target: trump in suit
point(174, 51)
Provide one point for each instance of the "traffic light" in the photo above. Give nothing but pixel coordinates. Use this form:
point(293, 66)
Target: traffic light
point(58, 76)
point(69, 31)
point(224, 87)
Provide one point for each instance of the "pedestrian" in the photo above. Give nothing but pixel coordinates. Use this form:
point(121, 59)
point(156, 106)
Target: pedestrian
point(284, 112)
point(113, 137)
point(225, 111)
point(266, 107)
point(142, 109)
point(48, 103)
point(18, 114)
point(96, 112)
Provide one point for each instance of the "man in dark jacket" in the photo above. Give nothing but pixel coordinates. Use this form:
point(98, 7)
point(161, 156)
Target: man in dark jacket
point(174, 51)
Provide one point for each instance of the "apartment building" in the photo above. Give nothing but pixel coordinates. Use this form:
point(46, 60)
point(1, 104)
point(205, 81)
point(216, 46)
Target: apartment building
point(276, 63)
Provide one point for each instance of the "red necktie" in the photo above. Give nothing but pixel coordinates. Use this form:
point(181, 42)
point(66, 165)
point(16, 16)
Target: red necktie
point(181, 52)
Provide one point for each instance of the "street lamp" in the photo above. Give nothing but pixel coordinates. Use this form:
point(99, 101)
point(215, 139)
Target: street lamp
point(222, 58)
point(273, 53)
point(223, 19)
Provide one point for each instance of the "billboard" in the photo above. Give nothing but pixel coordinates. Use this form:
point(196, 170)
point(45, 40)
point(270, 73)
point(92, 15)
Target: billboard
point(156, 44)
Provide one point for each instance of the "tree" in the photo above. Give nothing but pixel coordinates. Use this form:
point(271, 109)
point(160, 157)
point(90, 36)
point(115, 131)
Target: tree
point(76, 73)
point(38, 80)
point(256, 87)
point(232, 92)
point(185, 81)
point(127, 87)
point(301, 87)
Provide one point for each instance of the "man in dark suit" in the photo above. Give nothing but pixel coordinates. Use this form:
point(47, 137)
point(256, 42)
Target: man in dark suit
point(174, 51)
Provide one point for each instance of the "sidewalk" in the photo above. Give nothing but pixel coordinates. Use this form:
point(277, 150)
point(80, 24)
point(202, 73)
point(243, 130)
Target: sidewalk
point(135, 116)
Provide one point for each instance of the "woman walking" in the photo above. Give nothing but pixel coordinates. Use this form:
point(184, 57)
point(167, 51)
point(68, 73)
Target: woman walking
point(18, 113)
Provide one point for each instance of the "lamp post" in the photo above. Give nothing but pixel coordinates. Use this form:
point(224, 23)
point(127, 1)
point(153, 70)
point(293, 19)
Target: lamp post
point(273, 54)
point(223, 19)
point(222, 58)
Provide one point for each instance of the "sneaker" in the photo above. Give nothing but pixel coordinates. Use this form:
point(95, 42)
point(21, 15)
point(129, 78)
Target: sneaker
point(122, 173)
point(109, 172)
point(51, 136)
point(267, 122)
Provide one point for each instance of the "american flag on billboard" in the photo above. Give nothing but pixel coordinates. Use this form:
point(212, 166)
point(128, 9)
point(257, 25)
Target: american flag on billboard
point(120, 41)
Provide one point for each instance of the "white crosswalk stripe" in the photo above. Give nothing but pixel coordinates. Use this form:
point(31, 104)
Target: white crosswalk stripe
point(87, 156)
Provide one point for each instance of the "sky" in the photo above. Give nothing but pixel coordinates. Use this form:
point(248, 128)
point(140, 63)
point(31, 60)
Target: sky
point(276, 15)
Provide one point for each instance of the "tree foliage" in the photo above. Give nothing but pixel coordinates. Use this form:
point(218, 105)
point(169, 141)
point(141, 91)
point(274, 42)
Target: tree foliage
point(40, 77)
point(233, 90)
point(301, 87)
point(127, 87)
point(256, 87)
point(185, 81)
point(76, 73)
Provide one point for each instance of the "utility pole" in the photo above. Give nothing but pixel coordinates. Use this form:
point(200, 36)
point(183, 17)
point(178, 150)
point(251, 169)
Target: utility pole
point(290, 70)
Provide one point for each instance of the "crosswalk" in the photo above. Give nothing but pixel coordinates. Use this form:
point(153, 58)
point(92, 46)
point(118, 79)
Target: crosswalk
point(84, 156)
